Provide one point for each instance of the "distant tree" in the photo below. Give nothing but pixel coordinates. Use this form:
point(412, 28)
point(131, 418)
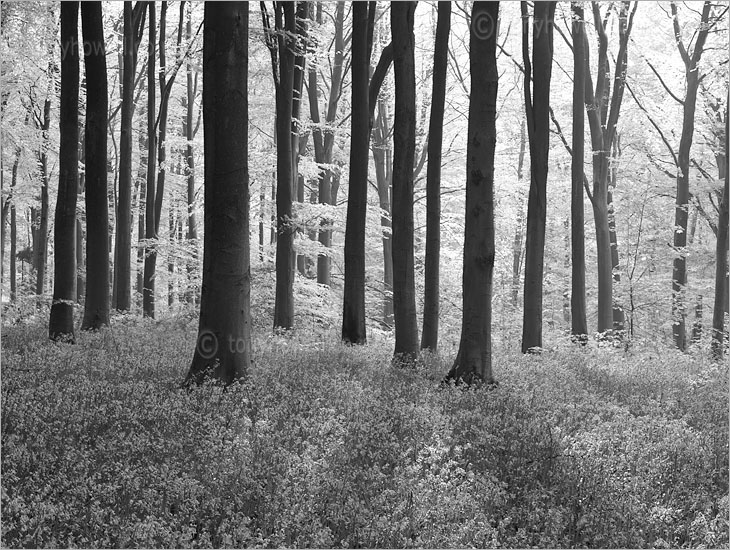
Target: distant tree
point(223, 348)
point(537, 108)
point(721, 266)
point(150, 256)
point(96, 307)
point(473, 364)
point(579, 326)
point(353, 309)
point(133, 29)
point(61, 323)
point(404, 144)
point(429, 337)
point(39, 216)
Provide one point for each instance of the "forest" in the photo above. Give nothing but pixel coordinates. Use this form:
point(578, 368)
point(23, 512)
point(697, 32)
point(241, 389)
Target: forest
point(364, 274)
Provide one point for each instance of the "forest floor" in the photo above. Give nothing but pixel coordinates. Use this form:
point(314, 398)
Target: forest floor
point(326, 445)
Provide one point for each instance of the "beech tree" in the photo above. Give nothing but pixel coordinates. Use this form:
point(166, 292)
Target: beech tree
point(579, 325)
point(404, 145)
point(96, 307)
point(148, 281)
point(721, 266)
point(429, 337)
point(223, 348)
point(537, 109)
point(61, 322)
point(473, 363)
point(353, 309)
point(133, 29)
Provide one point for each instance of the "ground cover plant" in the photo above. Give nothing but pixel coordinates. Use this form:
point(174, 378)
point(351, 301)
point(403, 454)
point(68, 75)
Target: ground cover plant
point(325, 445)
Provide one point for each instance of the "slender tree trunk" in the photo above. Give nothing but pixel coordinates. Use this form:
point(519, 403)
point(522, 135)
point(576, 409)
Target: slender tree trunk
point(404, 144)
point(80, 270)
point(538, 131)
point(133, 22)
point(284, 298)
point(192, 235)
point(298, 142)
point(13, 253)
point(61, 322)
point(721, 265)
point(96, 307)
point(41, 246)
point(473, 364)
point(429, 338)
point(150, 255)
point(619, 318)
point(353, 310)
point(517, 248)
point(383, 177)
point(223, 349)
point(579, 325)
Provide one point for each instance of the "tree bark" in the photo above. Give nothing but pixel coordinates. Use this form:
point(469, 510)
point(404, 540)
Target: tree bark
point(473, 364)
point(224, 335)
point(721, 265)
point(133, 25)
point(61, 322)
point(298, 145)
point(192, 235)
point(429, 337)
point(517, 241)
point(96, 307)
point(404, 144)
point(150, 233)
point(40, 248)
point(579, 325)
point(353, 309)
point(284, 299)
point(538, 132)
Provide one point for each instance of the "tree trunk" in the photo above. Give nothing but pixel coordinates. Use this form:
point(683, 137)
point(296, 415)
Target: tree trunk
point(404, 144)
point(579, 325)
point(298, 145)
point(40, 249)
point(473, 364)
point(192, 235)
point(619, 318)
point(96, 307)
point(284, 299)
point(133, 21)
point(383, 177)
point(353, 310)
point(224, 335)
point(61, 322)
point(429, 338)
point(150, 233)
point(13, 253)
point(538, 132)
point(721, 265)
point(517, 248)
point(80, 271)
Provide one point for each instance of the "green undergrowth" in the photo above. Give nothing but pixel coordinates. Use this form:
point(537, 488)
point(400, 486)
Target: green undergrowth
point(329, 446)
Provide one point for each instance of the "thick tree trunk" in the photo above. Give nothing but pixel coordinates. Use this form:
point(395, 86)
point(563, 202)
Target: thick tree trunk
point(223, 349)
point(579, 325)
point(150, 233)
point(404, 144)
point(133, 20)
point(284, 299)
point(96, 307)
point(61, 322)
point(353, 309)
point(721, 265)
point(538, 131)
point(473, 364)
point(429, 337)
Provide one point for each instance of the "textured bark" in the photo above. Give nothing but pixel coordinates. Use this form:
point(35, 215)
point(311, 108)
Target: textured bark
point(429, 337)
point(473, 364)
point(721, 265)
point(284, 299)
point(61, 322)
point(404, 145)
point(579, 325)
point(537, 105)
point(96, 307)
point(223, 349)
point(353, 308)
point(619, 317)
point(133, 24)
point(150, 233)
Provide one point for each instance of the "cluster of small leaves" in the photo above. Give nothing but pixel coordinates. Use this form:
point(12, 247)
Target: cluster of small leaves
point(329, 446)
